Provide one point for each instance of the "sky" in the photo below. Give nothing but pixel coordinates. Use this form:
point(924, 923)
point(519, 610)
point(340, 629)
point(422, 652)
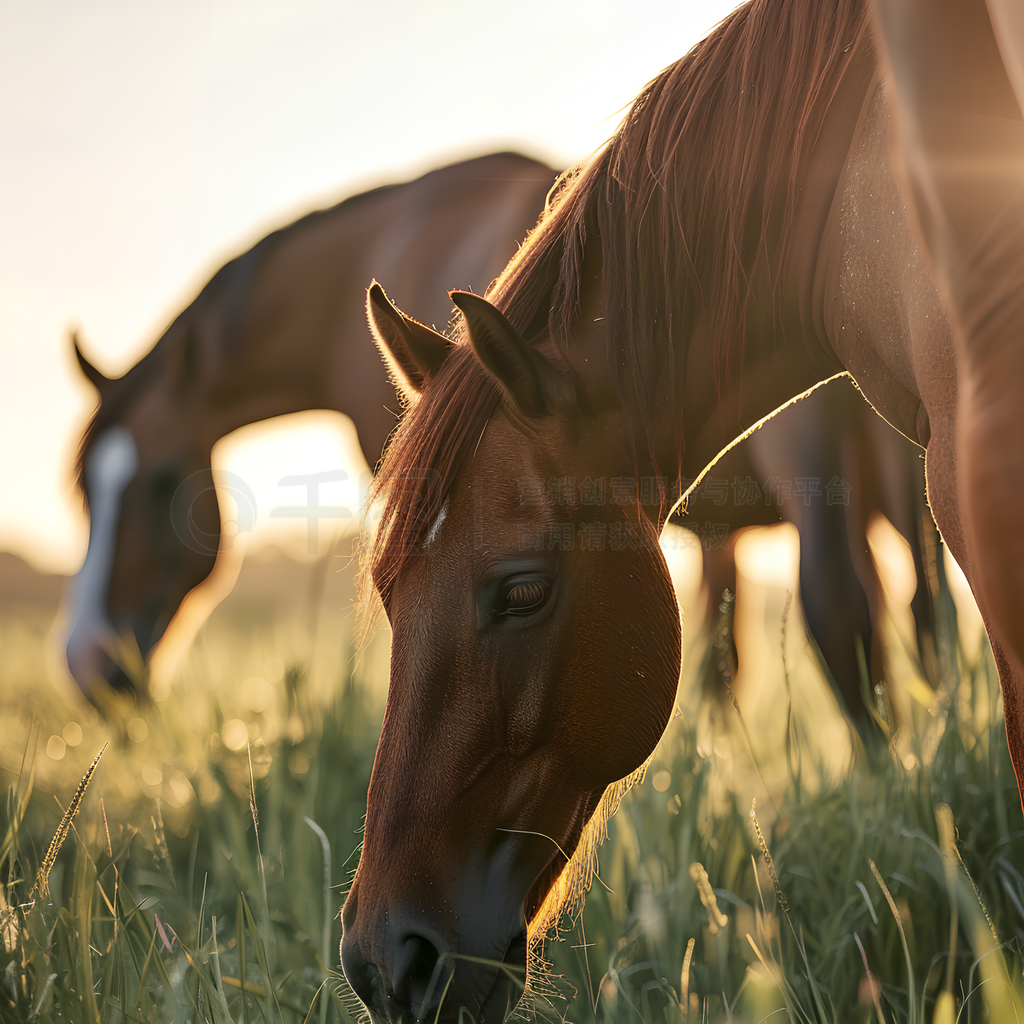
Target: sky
point(143, 144)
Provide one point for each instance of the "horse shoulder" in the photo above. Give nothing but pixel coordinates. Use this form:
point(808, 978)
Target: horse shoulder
point(880, 309)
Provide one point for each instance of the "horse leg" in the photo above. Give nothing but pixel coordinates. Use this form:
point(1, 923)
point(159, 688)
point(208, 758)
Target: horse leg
point(719, 576)
point(839, 586)
point(942, 496)
point(819, 439)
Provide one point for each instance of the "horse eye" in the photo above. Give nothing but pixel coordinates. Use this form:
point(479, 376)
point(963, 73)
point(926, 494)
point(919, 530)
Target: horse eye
point(526, 597)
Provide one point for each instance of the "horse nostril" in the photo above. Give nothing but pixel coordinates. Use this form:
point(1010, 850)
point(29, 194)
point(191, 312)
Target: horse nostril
point(364, 978)
point(419, 974)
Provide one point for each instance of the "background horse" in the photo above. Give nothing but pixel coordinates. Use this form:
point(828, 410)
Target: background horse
point(277, 330)
point(740, 240)
point(281, 329)
point(828, 464)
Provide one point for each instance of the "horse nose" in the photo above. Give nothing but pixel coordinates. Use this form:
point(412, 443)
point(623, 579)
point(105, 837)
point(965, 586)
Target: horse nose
point(410, 978)
point(418, 973)
point(419, 976)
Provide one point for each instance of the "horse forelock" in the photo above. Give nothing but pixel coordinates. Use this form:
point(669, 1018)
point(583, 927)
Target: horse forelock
point(441, 428)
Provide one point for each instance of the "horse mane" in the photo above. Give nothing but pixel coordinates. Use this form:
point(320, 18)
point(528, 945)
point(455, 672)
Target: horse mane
point(692, 199)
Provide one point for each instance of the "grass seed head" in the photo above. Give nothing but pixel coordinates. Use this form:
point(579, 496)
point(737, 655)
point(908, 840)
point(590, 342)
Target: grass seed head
point(42, 885)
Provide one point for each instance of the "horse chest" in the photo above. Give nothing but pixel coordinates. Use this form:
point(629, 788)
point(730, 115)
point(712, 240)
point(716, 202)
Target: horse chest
point(883, 314)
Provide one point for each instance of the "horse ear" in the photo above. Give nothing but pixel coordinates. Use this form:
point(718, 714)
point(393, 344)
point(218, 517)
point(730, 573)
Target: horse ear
point(411, 349)
point(97, 379)
point(534, 384)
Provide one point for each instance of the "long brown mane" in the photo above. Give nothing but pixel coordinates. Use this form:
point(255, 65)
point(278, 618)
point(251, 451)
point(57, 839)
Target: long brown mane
point(692, 198)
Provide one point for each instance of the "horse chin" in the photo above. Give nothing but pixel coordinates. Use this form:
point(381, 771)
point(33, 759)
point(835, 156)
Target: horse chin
point(544, 883)
point(506, 992)
point(552, 870)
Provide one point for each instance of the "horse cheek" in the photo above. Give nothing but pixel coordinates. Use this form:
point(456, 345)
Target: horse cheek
point(642, 674)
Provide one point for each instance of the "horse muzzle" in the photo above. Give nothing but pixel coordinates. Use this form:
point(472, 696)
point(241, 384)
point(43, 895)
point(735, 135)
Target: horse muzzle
point(419, 974)
point(94, 655)
point(413, 969)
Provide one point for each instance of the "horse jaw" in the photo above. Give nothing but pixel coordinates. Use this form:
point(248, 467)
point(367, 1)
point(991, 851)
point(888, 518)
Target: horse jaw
point(110, 467)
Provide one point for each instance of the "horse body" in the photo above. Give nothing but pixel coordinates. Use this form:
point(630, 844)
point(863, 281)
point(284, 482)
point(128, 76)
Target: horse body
point(740, 240)
point(954, 79)
point(222, 364)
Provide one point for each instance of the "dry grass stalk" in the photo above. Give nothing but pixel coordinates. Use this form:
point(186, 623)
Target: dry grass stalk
point(160, 838)
point(874, 986)
point(899, 924)
point(42, 886)
point(106, 829)
point(769, 863)
point(8, 923)
point(947, 844)
point(716, 919)
point(977, 891)
point(684, 979)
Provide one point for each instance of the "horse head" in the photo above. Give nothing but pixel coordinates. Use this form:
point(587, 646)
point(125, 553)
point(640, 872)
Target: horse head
point(154, 521)
point(535, 659)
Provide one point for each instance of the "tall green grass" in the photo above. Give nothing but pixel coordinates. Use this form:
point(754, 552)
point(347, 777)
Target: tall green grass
point(200, 878)
point(857, 903)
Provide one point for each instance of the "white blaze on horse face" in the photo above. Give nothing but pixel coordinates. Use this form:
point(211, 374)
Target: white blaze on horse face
point(432, 533)
point(109, 468)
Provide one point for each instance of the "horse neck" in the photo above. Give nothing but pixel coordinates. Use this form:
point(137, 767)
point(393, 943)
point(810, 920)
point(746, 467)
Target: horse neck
point(298, 365)
point(709, 409)
point(784, 348)
point(715, 410)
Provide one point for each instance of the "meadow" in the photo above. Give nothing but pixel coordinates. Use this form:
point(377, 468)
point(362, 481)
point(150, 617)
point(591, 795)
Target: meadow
point(774, 864)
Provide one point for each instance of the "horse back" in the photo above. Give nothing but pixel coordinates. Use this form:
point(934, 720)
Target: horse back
point(288, 317)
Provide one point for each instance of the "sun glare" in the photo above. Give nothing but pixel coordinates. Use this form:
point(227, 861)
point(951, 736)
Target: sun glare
point(770, 555)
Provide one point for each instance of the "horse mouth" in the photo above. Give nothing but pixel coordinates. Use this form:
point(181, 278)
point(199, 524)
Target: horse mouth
point(558, 861)
point(509, 984)
point(543, 884)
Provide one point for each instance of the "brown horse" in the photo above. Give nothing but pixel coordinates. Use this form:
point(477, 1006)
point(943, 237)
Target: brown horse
point(273, 332)
point(741, 239)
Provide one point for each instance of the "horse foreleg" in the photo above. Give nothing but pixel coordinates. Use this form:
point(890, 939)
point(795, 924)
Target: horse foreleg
point(947, 506)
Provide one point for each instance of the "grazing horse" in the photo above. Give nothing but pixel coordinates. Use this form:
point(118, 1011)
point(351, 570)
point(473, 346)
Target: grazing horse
point(271, 333)
point(740, 240)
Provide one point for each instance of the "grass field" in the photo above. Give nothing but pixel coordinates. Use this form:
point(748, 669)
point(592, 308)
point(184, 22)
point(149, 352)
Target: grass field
point(202, 873)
